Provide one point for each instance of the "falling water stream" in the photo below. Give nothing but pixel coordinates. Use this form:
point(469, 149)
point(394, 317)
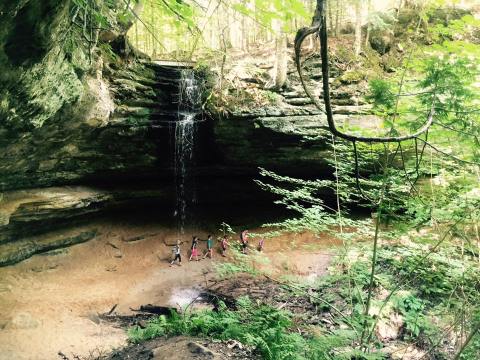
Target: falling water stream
point(185, 128)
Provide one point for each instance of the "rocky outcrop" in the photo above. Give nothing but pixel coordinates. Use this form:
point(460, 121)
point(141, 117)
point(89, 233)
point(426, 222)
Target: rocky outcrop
point(291, 136)
point(38, 220)
point(69, 116)
point(118, 131)
point(34, 211)
point(79, 126)
point(13, 252)
point(107, 133)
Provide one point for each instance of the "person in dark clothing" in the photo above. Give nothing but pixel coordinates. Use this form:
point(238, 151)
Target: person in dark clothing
point(261, 243)
point(244, 241)
point(176, 253)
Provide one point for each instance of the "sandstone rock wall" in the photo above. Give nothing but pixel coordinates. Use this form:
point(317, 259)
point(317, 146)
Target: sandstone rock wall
point(80, 132)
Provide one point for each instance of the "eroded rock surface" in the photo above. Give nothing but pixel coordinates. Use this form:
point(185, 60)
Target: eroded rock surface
point(77, 124)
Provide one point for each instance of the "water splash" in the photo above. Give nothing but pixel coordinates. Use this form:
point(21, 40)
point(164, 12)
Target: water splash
point(185, 128)
point(183, 297)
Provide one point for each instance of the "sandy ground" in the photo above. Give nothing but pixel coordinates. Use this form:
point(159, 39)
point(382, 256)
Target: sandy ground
point(50, 303)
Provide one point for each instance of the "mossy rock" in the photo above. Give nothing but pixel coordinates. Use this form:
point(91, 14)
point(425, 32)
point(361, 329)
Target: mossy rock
point(352, 77)
point(392, 61)
point(381, 41)
point(444, 15)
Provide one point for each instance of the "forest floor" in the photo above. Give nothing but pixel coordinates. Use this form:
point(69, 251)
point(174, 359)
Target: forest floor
point(52, 304)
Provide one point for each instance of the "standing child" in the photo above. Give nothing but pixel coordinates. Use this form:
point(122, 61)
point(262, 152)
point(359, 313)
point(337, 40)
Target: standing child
point(194, 249)
point(224, 245)
point(209, 247)
point(177, 254)
point(244, 241)
point(260, 244)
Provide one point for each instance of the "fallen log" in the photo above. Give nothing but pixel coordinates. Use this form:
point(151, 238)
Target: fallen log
point(155, 309)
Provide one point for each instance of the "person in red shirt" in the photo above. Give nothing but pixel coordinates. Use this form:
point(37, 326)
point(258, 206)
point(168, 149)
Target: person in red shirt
point(224, 243)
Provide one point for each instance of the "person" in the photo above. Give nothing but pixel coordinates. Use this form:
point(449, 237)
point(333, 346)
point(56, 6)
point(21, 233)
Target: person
point(244, 240)
point(194, 249)
point(224, 243)
point(209, 247)
point(261, 242)
point(177, 254)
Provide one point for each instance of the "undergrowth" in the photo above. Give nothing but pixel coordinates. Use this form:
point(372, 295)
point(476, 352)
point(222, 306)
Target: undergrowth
point(273, 333)
point(422, 295)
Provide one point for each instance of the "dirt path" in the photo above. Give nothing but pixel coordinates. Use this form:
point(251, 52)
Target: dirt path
point(50, 303)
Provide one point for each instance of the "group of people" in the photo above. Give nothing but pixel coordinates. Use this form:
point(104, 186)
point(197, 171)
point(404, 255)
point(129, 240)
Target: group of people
point(224, 243)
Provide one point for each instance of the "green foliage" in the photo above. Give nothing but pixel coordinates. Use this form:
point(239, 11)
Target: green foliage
point(265, 11)
point(352, 77)
point(263, 327)
point(226, 229)
point(455, 29)
point(272, 97)
point(303, 197)
point(106, 49)
point(454, 194)
point(472, 352)
point(412, 308)
point(449, 78)
point(381, 95)
point(381, 21)
point(442, 282)
point(441, 278)
point(240, 264)
point(269, 330)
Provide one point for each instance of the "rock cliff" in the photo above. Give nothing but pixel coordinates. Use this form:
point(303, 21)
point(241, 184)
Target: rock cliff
point(82, 129)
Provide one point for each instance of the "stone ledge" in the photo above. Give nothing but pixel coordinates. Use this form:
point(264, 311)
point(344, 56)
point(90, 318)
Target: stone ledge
point(26, 212)
point(17, 251)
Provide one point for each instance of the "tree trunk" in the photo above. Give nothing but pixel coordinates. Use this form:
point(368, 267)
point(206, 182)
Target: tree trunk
point(337, 16)
point(358, 27)
point(369, 10)
point(280, 60)
point(152, 19)
point(330, 16)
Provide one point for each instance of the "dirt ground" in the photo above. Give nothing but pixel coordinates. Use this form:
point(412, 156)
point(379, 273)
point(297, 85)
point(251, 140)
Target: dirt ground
point(51, 303)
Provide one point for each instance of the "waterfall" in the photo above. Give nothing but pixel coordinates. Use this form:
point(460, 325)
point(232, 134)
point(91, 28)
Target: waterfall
point(185, 128)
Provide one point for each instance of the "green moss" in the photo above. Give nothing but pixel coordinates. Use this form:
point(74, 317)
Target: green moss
point(352, 76)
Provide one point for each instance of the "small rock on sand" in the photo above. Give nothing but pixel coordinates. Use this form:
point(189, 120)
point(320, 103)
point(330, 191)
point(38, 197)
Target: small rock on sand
point(23, 321)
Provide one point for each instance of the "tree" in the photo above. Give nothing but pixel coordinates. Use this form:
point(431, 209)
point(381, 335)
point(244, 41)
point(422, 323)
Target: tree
point(369, 10)
point(280, 66)
point(280, 61)
point(358, 27)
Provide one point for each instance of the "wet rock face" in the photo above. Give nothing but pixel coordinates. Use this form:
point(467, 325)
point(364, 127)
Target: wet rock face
point(274, 140)
point(32, 59)
point(70, 118)
point(107, 133)
point(57, 121)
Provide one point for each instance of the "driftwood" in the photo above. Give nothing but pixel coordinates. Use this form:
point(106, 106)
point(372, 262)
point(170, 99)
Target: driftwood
point(139, 237)
point(113, 245)
point(112, 309)
point(155, 309)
